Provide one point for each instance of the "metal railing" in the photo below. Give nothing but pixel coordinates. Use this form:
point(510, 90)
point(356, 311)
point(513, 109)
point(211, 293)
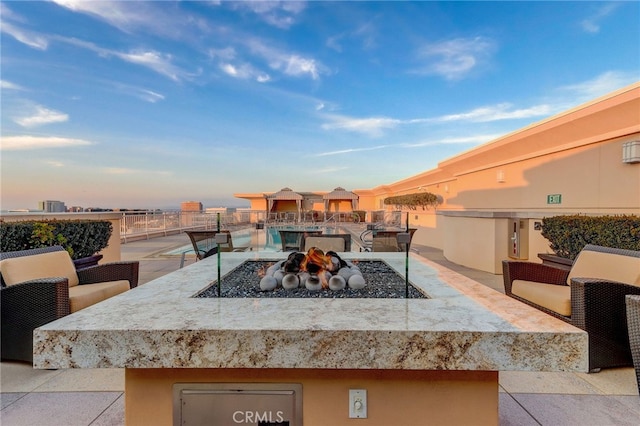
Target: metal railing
point(139, 225)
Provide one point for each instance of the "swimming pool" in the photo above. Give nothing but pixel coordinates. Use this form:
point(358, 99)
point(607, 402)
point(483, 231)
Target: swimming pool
point(267, 239)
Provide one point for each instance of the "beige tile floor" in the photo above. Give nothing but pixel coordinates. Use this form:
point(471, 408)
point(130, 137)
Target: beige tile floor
point(95, 397)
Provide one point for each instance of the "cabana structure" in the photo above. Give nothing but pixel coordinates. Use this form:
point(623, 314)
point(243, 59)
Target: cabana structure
point(340, 200)
point(284, 205)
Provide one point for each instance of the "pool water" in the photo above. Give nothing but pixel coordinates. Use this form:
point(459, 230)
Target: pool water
point(256, 239)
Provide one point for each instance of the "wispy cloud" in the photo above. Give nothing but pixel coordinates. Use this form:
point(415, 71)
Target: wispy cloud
point(140, 93)
point(288, 63)
point(24, 143)
point(372, 126)
point(54, 163)
point(471, 140)
point(30, 38)
point(280, 14)
point(7, 85)
point(592, 23)
point(135, 16)
point(326, 170)
point(600, 85)
point(464, 140)
point(375, 126)
point(41, 116)
point(154, 60)
point(456, 58)
point(350, 151)
point(245, 71)
point(118, 171)
point(504, 111)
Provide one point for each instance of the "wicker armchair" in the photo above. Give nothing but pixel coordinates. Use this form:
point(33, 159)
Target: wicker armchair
point(28, 305)
point(633, 323)
point(597, 300)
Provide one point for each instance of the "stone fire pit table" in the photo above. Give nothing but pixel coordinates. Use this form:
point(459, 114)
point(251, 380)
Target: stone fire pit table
point(420, 361)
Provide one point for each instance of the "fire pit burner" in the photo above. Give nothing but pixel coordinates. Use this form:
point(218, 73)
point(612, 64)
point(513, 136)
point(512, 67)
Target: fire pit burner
point(383, 282)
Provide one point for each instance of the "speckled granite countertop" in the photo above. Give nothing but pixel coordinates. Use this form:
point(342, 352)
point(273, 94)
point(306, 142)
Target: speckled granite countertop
point(464, 326)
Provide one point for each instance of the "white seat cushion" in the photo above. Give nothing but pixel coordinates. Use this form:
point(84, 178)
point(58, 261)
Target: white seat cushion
point(46, 265)
point(608, 266)
point(85, 295)
point(556, 298)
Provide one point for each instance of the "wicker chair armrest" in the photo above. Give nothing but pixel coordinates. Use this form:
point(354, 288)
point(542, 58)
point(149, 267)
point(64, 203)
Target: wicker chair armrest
point(529, 271)
point(599, 304)
point(113, 271)
point(42, 300)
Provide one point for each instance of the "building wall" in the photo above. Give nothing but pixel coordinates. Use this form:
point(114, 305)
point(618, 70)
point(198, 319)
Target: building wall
point(576, 154)
point(191, 206)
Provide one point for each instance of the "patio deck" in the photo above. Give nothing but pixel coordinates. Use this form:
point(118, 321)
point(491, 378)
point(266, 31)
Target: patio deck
point(95, 397)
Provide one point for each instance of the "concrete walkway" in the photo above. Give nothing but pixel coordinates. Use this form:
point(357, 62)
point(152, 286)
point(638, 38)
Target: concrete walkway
point(96, 396)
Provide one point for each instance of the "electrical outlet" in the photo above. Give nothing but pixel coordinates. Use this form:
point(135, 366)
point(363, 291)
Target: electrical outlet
point(357, 403)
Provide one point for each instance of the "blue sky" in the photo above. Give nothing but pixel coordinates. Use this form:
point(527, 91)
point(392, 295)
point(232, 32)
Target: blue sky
point(147, 104)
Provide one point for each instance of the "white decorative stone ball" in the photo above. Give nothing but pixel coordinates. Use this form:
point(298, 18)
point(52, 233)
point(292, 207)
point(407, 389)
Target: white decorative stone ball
point(337, 282)
point(313, 283)
point(356, 271)
point(273, 268)
point(303, 278)
point(290, 281)
point(278, 275)
point(357, 282)
point(268, 283)
point(345, 273)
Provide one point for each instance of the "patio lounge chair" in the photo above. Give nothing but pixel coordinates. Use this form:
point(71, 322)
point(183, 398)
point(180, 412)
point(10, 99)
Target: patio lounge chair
point(591, 296)
point(385, 241)
point(204, 243)
point(42, 285)
point(633, 324)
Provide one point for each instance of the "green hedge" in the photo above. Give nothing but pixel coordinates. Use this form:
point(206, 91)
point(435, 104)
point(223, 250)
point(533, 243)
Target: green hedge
point(412, 201)
point(81, 238)
point(569, 234)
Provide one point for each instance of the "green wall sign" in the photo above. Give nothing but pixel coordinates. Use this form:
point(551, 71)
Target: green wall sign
point(554, 199)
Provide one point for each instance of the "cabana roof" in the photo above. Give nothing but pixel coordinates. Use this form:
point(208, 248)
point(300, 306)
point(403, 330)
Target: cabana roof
point(340, 194)
point(285, 194)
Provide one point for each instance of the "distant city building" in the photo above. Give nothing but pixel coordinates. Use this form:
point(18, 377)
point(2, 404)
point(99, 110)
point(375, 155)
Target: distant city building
point(97, 209)
point(76, 209)
point(51, 206)
point(191, 206)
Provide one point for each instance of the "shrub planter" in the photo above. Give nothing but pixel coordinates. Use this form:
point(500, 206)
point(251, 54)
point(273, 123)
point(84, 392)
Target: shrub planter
point(85, 262)
point(556, 261)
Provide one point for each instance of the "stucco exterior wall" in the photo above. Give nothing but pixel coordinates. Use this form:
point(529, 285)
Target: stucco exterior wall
point(576, 155)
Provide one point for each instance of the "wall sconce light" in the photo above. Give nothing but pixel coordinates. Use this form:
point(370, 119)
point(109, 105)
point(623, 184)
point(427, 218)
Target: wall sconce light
point(631, 152)
point(500, 176)
point(446, 189)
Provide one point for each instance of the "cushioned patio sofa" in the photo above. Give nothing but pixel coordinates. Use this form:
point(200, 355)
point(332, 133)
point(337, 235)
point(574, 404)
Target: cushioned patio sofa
point(591, 296)
point(42, 285)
